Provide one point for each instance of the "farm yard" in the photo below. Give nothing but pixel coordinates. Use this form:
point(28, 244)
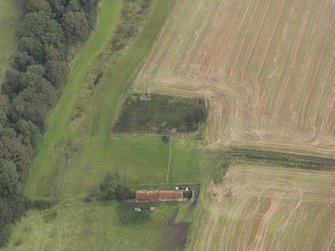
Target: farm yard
point(267, 208)
point(266, 66)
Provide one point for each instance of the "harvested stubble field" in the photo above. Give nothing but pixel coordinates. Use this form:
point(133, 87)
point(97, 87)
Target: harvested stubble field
point(268, 208)
point(268, 67)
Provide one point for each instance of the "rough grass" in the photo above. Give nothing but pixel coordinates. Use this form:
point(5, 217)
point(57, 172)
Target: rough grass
point(279, 158)
point(8, 28)
point(161, 114)
point(90, 226)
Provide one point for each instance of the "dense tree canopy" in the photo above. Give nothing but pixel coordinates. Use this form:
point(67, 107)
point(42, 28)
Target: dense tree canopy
point(75, 26)
point(39, 31)
point(8, 178)
point(38, 5)
point(13, 150)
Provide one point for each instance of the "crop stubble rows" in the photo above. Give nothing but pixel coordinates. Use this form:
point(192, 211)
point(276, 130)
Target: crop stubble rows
point(269, 209)
point(267, 66)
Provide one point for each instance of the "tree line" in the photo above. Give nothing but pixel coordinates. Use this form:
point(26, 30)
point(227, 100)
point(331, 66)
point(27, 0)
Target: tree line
point(48, 31)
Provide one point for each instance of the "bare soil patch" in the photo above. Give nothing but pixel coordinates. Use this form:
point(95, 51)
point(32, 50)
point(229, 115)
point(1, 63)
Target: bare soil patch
point(177, 233)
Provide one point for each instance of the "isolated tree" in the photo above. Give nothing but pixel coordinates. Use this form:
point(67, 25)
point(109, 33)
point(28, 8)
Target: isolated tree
point(110, 185)
point(112, 188)
point(75, 26)
point(122, 192)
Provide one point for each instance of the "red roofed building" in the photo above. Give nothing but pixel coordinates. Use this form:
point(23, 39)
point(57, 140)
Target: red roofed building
point(166, 195)
point(159, 195)
point(147, 195)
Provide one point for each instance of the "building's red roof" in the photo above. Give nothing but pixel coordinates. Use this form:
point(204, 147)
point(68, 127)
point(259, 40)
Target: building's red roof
point(156, 195)
point(170, 194)
point(147, 195)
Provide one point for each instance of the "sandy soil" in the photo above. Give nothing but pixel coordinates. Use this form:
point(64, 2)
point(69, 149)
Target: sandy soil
point(268, 208)
point(267, 66)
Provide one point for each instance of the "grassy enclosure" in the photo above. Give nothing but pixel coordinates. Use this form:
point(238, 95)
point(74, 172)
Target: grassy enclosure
point(8, 28)
point(160, 114)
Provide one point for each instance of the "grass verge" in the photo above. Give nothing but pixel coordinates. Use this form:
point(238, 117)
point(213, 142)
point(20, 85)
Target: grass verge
point(281, 158)
point(8, 27)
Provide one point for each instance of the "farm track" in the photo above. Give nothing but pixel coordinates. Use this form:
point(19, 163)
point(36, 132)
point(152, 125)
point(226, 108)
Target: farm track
point(266, 66)
point(286, 159)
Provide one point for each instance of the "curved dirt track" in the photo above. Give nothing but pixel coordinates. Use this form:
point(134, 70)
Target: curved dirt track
point(269, 208)
point(267, 66)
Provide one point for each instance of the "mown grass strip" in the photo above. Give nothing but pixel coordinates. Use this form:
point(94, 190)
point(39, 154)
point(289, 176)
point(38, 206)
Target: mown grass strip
point(58, 120)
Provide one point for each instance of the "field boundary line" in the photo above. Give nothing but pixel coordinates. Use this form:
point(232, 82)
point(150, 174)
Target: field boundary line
point(168, 167)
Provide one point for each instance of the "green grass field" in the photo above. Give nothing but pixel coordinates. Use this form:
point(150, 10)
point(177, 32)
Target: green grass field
point(140, 160)
point(8, 28)
point(83, 226)
point(93, 151)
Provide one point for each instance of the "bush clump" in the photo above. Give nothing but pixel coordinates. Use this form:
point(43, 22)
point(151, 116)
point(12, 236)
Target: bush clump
point(220, 172)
